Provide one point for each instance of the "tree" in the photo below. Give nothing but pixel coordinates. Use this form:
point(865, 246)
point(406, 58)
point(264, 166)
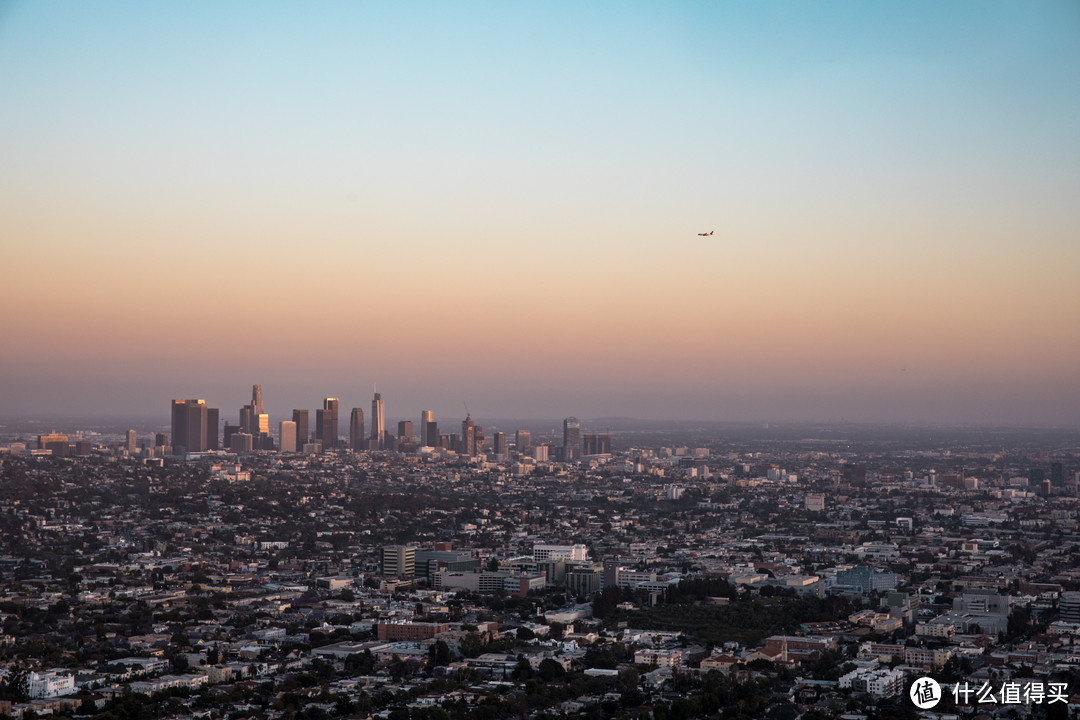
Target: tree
point(16, 685)
point(551, 670)
point(440, 654)
point(471, 645)
point(360, 663)
point(523, 671)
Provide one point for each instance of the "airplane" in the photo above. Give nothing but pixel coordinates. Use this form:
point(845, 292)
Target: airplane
point(707, 234)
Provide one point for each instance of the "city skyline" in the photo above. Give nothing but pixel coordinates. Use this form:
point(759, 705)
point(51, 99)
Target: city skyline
point(501, 206)
point(196, 428)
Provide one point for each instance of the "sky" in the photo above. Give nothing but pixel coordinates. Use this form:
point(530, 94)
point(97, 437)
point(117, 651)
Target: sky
point(499, 204)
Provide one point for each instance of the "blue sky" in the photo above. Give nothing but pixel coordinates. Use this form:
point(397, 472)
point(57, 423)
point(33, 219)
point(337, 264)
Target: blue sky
point(499, 185)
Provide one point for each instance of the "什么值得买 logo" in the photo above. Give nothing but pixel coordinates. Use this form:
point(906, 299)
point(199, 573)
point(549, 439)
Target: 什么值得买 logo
point(925, 693)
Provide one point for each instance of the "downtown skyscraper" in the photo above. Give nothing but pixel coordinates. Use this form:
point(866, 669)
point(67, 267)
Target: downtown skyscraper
point(571, 439)
point(429, 431)
point(326, 423)
point(194, 427)
point(357, 439)
point(378, 423)
point(257, 400)
point(300, 417)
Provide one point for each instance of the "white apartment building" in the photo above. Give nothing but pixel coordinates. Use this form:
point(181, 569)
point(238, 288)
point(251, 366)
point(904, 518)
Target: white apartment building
point(50, 684)
point(570, 553)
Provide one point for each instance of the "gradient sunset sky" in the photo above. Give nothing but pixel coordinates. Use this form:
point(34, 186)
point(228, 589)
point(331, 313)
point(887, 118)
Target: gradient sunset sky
point(498, 203)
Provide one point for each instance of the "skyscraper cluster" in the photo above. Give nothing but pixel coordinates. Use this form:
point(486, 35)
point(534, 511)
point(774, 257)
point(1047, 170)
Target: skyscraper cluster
point(195, 429)
point(253, 432)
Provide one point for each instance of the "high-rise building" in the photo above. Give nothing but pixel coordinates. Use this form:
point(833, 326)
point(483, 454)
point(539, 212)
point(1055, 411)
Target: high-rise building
point(426, 418)
point(399, 561)
point(326, 423)
point(468, 436)
point(253, 419)
point(405, 431)
point(256, 400)
point(571, 439)
point(247, 419)
point(132, 441)
point(212, 429)
point(300, 417)
point(241, 442)
point(190, 426)
point(227, 433)
point(1057, 474)
point(500, 446)
point(378, 422)
point(597, 444)
point(1036, 476)
point(288, 436)
point(357, 439)
point(523, 441)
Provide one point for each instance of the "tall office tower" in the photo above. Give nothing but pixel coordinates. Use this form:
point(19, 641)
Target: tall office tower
point(262, 424)
point(434, 438)
point(288, 436)
point(226, 435)
point(378, 422)
point(357, 440)
point(213, 428)
point(404, 431)
point(523, 440)
point(426, 416)
point(132, 441)
point(256, 400)
point(431, 432)
point(468, 438)
point(571, 439)
point(500, 446)
point(241, 442)
point(399, 561)
point(479, 443)
point(1057, 474)
point(188, 426)
point(326, 423)
point(300, 417)
point(597, 444)
point(247, 418)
